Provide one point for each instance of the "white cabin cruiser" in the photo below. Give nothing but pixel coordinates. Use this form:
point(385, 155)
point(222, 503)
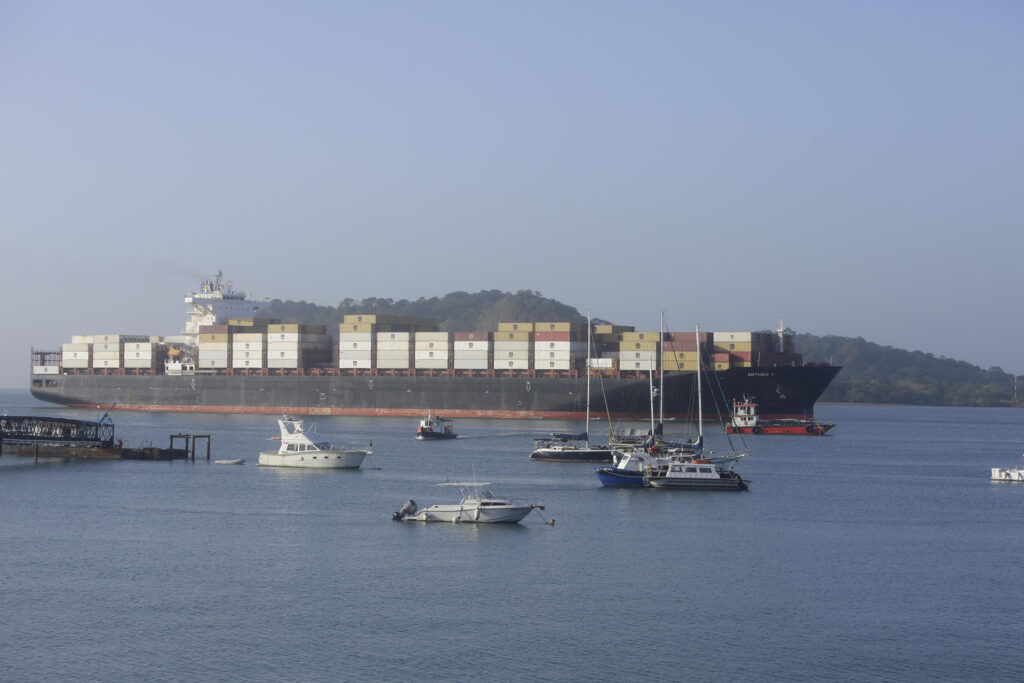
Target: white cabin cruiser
point(1009, 473)
point(478, 506)
point(298, 450)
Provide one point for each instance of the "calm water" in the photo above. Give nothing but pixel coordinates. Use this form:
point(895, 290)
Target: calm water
point(880, 552)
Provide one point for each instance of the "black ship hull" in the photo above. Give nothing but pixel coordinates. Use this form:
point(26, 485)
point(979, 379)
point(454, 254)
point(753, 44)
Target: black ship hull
point(781, 392)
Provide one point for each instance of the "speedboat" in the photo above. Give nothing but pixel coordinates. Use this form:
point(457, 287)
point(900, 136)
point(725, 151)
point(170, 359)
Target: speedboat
point(298, 450)
point(434, 427)
point(478, 506)
point(694, 475)
point(628, 469)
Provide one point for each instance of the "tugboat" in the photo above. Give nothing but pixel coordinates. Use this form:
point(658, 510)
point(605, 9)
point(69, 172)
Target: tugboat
point(434, 427)
point(746, 421)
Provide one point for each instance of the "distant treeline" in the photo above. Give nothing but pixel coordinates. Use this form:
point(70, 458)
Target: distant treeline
point(871, 373)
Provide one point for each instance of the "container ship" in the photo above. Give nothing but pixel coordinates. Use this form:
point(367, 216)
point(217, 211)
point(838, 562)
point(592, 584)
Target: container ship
point(230, 360)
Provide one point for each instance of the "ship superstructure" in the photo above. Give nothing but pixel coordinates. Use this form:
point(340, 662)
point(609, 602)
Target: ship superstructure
point(214, 303)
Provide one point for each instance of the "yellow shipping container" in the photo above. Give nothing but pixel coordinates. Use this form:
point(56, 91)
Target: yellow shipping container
point(672, 365)
point(612, 329)
point(356, 327)
point(510, 335)
point(625, 345)
point(284, 327)
point(213, 338)
point(640, 336)
point(515, 327)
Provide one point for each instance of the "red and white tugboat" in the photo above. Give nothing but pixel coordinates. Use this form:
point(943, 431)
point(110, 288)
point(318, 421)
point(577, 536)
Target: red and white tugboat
point(746, 421)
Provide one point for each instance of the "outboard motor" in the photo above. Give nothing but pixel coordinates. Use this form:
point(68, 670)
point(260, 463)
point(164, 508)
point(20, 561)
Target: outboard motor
point(408, 509)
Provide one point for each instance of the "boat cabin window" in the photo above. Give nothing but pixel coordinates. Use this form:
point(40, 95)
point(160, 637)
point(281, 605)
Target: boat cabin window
point(705, 470)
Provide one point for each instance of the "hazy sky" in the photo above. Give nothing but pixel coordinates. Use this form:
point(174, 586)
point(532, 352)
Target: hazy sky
point(854, 167)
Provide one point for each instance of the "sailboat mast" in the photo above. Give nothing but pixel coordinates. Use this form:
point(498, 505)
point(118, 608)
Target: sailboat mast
point(587, 425)
point(700, 403)
point(661, 370)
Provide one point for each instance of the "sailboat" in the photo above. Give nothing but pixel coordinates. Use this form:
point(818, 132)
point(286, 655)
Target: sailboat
point(574, 447)
point(631, 462)
point(695, 472)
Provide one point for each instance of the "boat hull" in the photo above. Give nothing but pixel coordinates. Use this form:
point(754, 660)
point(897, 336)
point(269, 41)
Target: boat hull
point(804, 429)
point(1010, 474)
point(471, 514)
point(609, 476)
point(434, 436)
point(726, 483)
point(783, 391)
point(571, 454)
point(321, 460)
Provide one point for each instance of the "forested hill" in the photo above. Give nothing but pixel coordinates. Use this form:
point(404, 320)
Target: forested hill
point(871, 373)
point(882, 374)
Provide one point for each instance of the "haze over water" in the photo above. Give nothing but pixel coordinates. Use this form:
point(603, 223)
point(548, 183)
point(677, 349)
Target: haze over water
point(880, 552)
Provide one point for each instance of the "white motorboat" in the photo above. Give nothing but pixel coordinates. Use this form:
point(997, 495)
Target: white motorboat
point(478, 506)
point(694, 475)
point(298, 450)
point(435, 427)
point(1009, 473)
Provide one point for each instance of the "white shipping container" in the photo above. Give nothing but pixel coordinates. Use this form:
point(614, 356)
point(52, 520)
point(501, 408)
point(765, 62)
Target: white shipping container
point(643, 366)
point(552, 365)
point(213, 346)
point(74, 355)
point(501, 357)
point(243, 363)
point(82, 339)
point(346, 345)
point(639, 356)
point(257, 337)
point(601, 362)
point(471, 355)
point(391, 346)
point(106, 339)
point(281, 354)
point(106, 346)
point(283, 336)
point(357, 363)
point(393, 355)
point(505, 364)
point(356, 336)
point(471, 345)
point(138, 346)
point(137, 355)
point(74, 347)
point(392, 337)
point(432, 364)
point(393, 364)
point(213, 364)
point(138, 363)
point(469, 364)
point(75, 363)
point(552, 345)
point(511, 346)
point(106, 363)
point(430, 355)
point(432, 336)
point(429, 344)
point(247, 346)
point(552, 355)
point(106, 355)
point(218, 354)
point(45, 370)
point(283, 363)
point(353, 355)
point(732, 336)
point(248, 355)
